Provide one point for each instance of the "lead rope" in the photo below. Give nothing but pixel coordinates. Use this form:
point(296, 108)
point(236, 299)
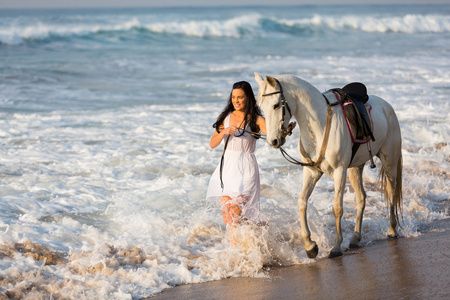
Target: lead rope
point(283, 152)
point(223, 157)
point(254, 134)
point(293, 160)
point(221, 161)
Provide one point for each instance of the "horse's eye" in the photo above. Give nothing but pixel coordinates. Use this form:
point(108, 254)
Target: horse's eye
point(276, 106)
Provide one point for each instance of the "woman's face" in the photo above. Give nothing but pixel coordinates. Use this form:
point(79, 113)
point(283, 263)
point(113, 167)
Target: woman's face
point(239, 99)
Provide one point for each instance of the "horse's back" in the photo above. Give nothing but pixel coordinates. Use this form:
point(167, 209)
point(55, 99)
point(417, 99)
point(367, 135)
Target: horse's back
point(385, 122)
point(384, 110)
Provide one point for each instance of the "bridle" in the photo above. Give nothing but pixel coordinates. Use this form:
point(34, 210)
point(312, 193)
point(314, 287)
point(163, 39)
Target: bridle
point(284, 106)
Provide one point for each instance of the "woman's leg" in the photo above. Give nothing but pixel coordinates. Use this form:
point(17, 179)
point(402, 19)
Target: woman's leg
point(230, 213)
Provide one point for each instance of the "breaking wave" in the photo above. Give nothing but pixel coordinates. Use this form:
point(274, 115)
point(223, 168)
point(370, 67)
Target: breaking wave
point(408, 24)
point(249, 25)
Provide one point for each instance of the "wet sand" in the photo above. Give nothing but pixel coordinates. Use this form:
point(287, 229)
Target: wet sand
point(406, 268)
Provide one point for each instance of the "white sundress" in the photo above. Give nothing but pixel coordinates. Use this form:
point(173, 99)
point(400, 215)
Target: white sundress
point(240, 175)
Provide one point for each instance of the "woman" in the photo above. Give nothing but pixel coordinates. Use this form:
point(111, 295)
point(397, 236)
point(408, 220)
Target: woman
point(236, 179)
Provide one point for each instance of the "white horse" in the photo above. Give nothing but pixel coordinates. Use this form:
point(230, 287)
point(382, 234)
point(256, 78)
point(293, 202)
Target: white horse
point(284, 96)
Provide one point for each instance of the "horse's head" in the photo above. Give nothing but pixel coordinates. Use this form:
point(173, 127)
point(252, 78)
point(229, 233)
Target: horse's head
point(276, 110)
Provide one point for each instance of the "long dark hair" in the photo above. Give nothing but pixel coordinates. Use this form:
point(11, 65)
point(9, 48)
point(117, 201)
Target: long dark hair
point(252, 110)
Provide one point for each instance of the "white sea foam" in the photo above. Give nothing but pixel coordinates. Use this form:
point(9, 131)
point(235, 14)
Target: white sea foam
point(104, 162)
point(136, 178)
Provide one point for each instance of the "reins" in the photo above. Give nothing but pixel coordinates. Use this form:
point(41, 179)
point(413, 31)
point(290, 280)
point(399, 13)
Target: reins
point(221, 161)
point(283, 152)
point(288, 131)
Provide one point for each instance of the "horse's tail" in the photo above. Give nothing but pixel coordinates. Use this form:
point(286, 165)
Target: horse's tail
point(398, 198)
point(398, 193)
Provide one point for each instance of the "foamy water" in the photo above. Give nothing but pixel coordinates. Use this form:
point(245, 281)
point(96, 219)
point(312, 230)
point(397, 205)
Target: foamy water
point(105, 131)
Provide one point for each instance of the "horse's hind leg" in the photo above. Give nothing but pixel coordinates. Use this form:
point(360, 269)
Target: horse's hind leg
point(339, 176)
point(355, 177)
point(391, 183)
point(310, 178)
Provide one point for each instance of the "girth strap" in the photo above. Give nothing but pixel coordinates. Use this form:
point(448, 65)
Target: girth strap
point(324, 142)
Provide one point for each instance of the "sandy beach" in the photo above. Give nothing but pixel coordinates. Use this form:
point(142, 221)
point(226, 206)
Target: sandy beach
point(406, 268)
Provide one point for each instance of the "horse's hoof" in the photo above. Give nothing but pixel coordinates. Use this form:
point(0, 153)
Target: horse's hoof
point(392, 236)
point(353, 245)
point(313, 252)
point(334, 254)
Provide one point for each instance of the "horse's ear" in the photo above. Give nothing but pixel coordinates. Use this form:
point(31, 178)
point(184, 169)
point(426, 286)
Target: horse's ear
point(271, 81)
point(259, 79)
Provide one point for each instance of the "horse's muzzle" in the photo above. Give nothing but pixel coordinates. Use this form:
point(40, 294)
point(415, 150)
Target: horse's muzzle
point(278, 142)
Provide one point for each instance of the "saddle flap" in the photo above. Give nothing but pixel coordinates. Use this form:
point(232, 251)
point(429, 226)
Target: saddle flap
point(359, 130)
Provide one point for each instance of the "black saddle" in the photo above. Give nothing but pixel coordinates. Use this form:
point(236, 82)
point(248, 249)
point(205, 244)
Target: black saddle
point(357, 91)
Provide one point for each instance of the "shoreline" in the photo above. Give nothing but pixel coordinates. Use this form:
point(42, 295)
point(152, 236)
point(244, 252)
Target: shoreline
point(405, 268)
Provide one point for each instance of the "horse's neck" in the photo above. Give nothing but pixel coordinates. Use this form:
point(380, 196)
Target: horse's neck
point(310, 112)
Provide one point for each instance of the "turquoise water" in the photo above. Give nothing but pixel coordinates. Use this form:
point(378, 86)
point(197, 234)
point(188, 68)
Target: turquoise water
point(93, 59)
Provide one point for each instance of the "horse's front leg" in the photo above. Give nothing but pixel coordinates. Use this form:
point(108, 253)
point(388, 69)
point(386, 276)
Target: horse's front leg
point(339, 176)
point(310, 178)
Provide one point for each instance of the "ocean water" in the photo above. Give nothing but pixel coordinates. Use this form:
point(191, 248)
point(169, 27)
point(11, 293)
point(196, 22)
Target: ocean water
point(105, 120)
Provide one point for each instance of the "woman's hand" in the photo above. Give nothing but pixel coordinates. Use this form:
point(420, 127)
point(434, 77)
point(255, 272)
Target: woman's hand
point(217, 138)
point(230, 130)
